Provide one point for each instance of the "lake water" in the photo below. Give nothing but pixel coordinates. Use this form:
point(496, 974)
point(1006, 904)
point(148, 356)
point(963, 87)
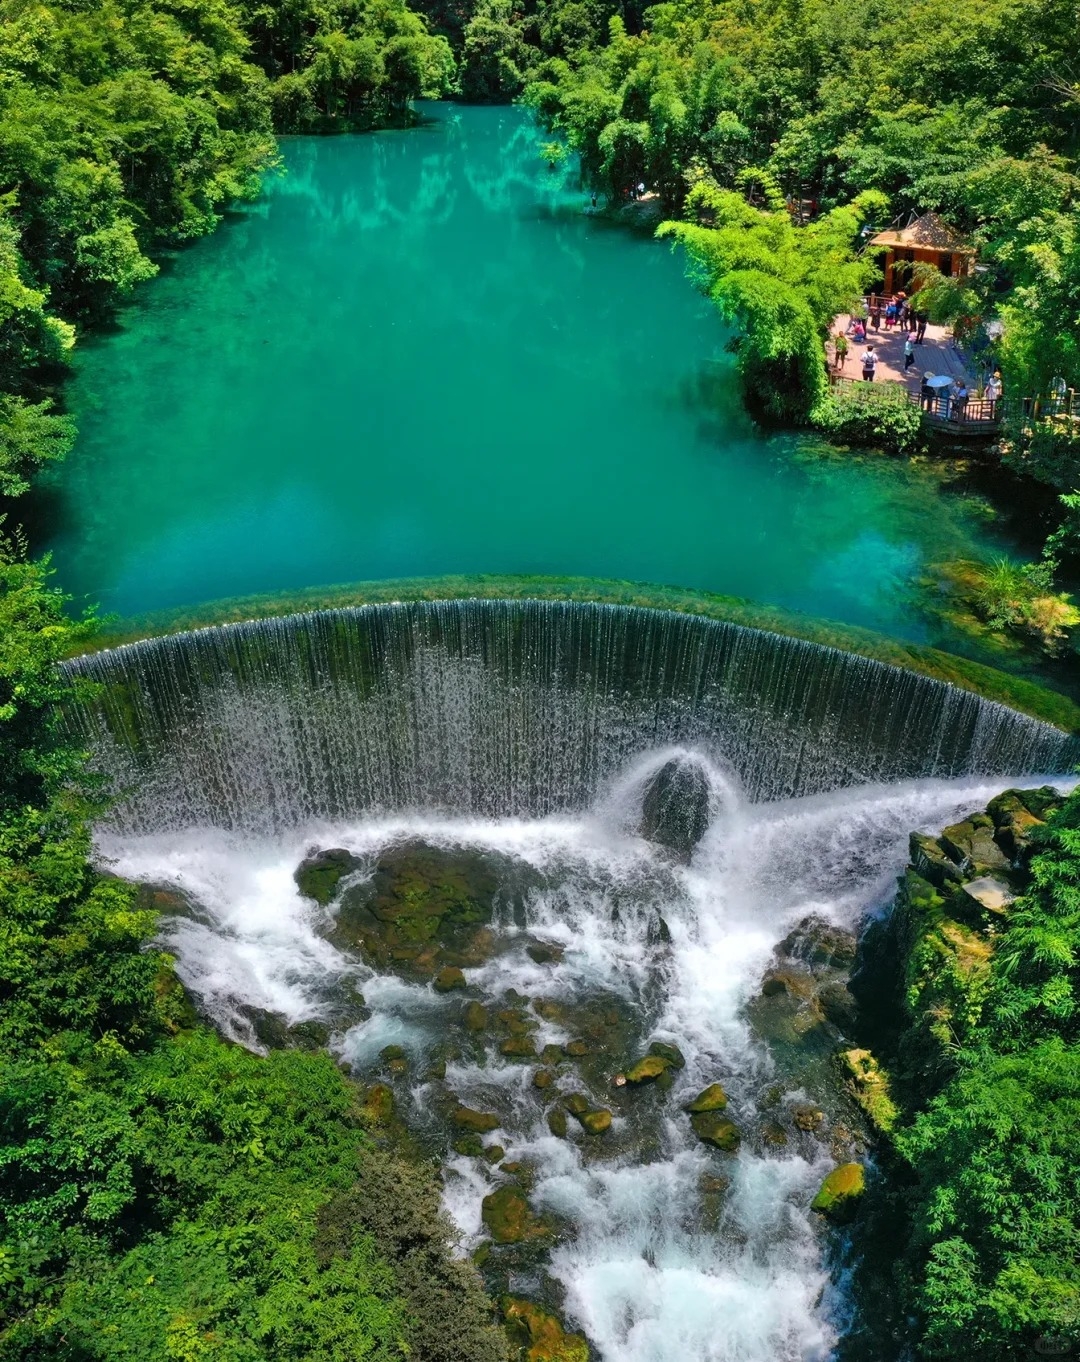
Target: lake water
point(418, 354)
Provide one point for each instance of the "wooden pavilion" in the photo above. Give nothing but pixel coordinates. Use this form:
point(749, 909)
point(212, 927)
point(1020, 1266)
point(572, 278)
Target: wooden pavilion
point(928, 240)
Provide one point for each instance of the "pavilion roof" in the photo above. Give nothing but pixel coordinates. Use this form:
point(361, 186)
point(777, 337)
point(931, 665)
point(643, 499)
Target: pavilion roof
point(928, 232)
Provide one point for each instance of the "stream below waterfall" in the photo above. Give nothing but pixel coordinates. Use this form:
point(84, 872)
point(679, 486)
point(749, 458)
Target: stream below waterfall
point(655, 1245)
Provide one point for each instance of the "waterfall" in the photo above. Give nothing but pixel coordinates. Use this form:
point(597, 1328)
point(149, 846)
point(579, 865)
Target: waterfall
point(507, 708)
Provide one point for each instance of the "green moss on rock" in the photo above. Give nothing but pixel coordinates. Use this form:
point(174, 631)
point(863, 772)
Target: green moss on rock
point(712, 1098)
point(508, 1218)
point(840, 1192)
point(540, 1335)
point(717, 1130)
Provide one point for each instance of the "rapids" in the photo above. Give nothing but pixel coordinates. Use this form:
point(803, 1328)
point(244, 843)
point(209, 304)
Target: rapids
point(640, 1268)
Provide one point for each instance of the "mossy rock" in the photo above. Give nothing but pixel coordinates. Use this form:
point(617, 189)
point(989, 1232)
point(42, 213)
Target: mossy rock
point(716, 1130)
point(448, 979)
point(597, 1121)
point(507, 1216)
point(543, 1078)
point(869, 1085)
point(494, 1153)
point(647, 1070)
point(420, 901)
point(317, 877)
point(665, 1050)
point(576, 1103)
point(480, 1121)
point(556, 1120)
point(576, 1049)
point(840, 1192)
point(475, 1017)
point(972, 846)
point(712, 1098)
point(518, 1047)
point(378, 1108)
point(544, 953)
point(540, 1335)
point(471, 1146)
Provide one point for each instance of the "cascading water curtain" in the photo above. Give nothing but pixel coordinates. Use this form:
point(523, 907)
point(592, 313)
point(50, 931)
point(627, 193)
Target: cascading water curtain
point(507, 708)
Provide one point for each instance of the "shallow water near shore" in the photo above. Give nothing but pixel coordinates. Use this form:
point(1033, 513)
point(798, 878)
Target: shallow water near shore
point(418, 354)
point(647, 1261)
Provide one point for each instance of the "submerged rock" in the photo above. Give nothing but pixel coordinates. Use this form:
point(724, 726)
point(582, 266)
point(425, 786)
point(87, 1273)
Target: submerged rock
point(544, 953)
point(541, 1334)
point(716, 1130)
point(712, 1098)
point(840, 1192)
point(675, 807)
point(507, 1216)
point(318, 876)
point(448, 979)
point(518, 1047)
point(838, 1004)
point(475, 1017)
point(820, 942)
point(479, 1121)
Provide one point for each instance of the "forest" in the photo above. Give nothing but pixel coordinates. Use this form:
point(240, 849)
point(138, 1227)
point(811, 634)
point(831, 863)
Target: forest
point(161, 1190)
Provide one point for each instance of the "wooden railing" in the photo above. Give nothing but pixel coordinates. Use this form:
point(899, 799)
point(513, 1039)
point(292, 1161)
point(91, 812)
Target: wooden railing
point(938, 406)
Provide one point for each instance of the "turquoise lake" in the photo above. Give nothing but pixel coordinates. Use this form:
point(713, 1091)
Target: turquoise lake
point(418, 354)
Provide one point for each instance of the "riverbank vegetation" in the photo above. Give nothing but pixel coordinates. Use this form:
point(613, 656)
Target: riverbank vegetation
point(166, 1196)
point(978, 1016)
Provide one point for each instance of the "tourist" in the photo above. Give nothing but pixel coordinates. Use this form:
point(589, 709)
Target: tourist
point(959, 400)
point(909, 354)
point(858, 327)
point(926, 393)
point(841, 346)
point(920, 334)
point(869, 364)
point(875, 314)
point(890, 316)
point(993, 391)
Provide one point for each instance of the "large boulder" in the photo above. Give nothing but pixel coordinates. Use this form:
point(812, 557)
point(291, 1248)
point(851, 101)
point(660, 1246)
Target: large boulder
point(713, 1128)
point(820, 942)
point(319, 875)
point(542, 1337)
point(508, 1218)
point(423, 907)
point(971, 845)
point(840, 1192)
point(675, 807)
point(712, 1098)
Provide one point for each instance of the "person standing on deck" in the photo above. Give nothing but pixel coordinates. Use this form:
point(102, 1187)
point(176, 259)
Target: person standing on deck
point(909, 354)
point(869, 364)
point(841, 346)
point(993, 391)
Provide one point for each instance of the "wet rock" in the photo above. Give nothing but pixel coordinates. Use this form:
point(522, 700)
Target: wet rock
point(394, 1059)
point(576, 1103)
point(475, 1017)
point(518, 1047)
point(576, 1049)
point(494, 1153)
point(671, 1053)
point(543, 953)
point(931, 861)
point(715, 1129)
point(479, 1121)
point(774, 1135)
point(647, 1070)
point(420, 901)
point(675, 807)
point(712, 1098)
point(543, 1078)
point(317, 877)
point(596, 1121)
point(838, 1005)
point(556, 1119)
point(808, 1119)
point(378, 1108)
point(540, 1334)
point(471, 1146)
point(971, 845)
point(820, 942)
point(552, 1055)
point(508, 1218)
point(272, 1031)
point(792, 982)
point(436, 1072)
point(840, 1192)
point(658, 933)
point(448, 979)
point(711, 1184)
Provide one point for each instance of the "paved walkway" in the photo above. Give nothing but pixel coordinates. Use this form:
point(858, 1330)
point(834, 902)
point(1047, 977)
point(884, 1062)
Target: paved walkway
point(936, 355)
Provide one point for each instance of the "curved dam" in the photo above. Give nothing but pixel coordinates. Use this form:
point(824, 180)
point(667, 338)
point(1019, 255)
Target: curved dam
point(575, 887)
point(508, 708)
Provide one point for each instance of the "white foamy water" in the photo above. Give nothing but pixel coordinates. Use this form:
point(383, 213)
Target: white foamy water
point(643, 1276)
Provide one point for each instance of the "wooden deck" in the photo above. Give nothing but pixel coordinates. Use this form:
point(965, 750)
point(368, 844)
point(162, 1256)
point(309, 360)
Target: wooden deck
point(937, 354)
